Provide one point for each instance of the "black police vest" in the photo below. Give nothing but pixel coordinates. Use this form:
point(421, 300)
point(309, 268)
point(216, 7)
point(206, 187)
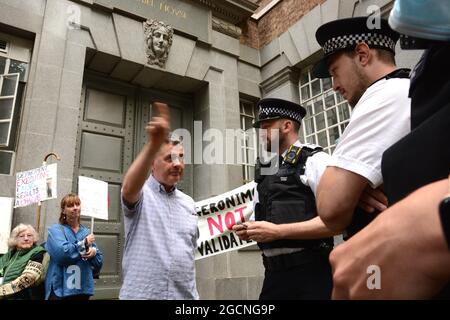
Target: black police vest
point(360, 217)
point(283, 198)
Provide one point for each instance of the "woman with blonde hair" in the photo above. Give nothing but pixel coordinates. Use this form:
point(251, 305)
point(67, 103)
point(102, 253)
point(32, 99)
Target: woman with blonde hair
point(21, 268)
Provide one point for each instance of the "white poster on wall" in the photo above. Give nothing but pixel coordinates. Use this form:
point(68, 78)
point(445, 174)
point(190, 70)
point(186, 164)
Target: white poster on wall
point(6, 212)
point(93, 194)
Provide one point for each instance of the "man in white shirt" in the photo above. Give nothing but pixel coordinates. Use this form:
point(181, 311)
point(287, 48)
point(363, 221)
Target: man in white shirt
point(359, 55)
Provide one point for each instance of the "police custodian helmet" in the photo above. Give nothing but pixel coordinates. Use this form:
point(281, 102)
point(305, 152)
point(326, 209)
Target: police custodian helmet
point(273, 108)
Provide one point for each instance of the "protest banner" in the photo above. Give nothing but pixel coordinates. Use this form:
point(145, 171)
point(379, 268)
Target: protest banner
point(6, 211)
point(218, 215)
point(93, 194)
point(36, 185)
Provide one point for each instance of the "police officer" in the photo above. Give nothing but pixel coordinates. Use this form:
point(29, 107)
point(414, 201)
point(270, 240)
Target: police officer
point(410, 241)
point(294, 241)
point(359, 56)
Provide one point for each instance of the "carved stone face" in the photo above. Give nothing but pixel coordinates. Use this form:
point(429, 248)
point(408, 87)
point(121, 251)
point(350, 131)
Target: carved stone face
point(160, 40)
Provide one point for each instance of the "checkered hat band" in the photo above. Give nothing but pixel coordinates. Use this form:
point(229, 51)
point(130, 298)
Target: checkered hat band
point(266, 112)
point(372, 39)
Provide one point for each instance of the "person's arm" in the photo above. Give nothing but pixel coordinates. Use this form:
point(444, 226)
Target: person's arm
point(263, 231)
point(157, 130)
point(337, 197)
point(60, 249)
point(95, 257)
point(381, 118)
point(27, 278)
point(405, 243)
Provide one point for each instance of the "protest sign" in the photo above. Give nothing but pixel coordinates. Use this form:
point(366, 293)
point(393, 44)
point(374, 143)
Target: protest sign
point(6, 211)
point(93, 194)
point(218, 215)
point(36, 185)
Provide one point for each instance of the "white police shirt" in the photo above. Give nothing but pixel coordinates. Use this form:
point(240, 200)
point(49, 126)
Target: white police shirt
point(381, 117)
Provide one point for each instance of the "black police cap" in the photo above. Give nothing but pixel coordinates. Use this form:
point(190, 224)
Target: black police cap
point(345, 34)
point(273, 108)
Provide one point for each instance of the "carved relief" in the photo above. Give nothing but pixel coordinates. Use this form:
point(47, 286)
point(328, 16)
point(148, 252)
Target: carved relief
point(159, 40)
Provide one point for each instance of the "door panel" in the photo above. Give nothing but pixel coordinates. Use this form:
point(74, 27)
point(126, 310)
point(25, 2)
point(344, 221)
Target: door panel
point(114, 210)
point(104, 107)
point(102, 152)
point(105, 151)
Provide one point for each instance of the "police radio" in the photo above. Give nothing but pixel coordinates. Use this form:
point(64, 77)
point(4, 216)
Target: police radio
point(291, 156)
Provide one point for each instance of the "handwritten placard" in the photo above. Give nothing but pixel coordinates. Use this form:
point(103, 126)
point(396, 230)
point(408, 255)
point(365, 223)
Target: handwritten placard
point(36, 185)
point(93, 194)
point(218, 215)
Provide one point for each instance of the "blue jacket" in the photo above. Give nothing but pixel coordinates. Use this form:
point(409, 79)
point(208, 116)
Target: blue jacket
point(68, 274)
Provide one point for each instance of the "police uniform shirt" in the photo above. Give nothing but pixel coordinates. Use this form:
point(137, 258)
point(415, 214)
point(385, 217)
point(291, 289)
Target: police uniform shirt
point(314, 169)
point(380, 118)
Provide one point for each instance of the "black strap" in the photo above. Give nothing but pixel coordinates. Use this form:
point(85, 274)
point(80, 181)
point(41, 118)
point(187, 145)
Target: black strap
point(402, 73)
point(305, 153)
point(296, 163)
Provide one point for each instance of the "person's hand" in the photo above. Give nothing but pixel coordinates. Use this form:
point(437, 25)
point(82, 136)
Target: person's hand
point(260, 231)
point(372, 199)
point(158, 127)
point(241, 230)
point(402, 254)
point(92, 251)
point(90, 239)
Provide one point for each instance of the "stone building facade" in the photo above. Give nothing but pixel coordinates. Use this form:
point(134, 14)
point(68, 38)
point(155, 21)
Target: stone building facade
point(82, 83)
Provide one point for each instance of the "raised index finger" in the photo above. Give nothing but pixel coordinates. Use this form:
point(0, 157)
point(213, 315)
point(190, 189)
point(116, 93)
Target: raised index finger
point(163, 110)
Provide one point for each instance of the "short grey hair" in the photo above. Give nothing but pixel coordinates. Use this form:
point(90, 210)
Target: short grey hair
point(12, 241)
point(174, 139)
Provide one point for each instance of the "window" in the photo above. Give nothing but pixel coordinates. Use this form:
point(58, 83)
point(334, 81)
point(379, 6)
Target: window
point(3, 46)
point(8, 94)
point(12, 84)
point(327, 112)
point(247, 110)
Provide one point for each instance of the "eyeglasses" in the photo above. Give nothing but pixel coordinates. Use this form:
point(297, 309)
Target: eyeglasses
point(23, 236)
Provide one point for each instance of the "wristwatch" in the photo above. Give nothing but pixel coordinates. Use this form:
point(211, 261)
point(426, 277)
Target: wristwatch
point(444, 213)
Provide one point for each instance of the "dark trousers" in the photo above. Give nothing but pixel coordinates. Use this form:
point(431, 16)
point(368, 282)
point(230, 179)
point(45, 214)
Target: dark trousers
point(310, 280)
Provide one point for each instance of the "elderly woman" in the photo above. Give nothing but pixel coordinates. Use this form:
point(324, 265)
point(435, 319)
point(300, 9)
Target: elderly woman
point(21, 267)
point(74, 255)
